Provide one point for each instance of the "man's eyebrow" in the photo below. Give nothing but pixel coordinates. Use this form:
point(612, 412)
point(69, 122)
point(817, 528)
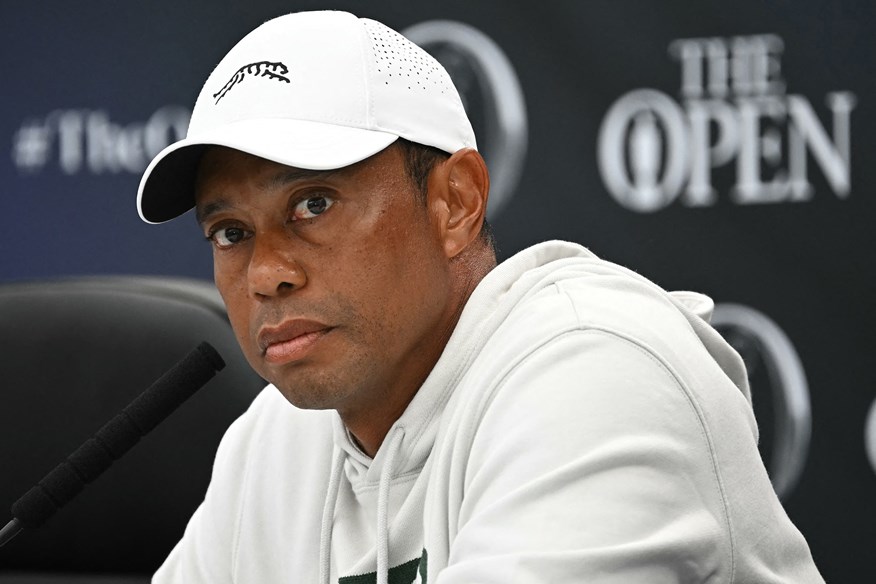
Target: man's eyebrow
point(203, 213)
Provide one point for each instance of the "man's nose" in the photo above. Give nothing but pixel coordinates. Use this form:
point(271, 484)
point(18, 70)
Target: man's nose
point(273, 268)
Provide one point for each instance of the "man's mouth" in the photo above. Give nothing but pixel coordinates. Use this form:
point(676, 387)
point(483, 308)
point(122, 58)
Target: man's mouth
point(290, 340)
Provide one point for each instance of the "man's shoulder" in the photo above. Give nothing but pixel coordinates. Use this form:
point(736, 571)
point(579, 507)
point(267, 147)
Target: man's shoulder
point(586, 292)
point(590, 309)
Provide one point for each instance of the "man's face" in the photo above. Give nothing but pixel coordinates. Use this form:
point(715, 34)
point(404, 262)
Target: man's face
point(336, 283)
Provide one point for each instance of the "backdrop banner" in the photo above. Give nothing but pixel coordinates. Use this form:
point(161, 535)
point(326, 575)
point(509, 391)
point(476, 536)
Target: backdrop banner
point(724, 147)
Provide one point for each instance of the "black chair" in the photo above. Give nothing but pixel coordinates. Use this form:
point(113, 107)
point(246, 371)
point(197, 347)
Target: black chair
point(75, 352)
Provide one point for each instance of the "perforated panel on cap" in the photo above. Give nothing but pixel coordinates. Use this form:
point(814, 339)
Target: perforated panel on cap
point(403, 62)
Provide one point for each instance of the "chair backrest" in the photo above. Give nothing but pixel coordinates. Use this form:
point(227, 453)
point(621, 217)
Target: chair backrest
point(73, 353)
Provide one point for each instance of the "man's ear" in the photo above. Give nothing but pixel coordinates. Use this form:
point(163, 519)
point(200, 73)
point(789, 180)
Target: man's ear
point(458, 191)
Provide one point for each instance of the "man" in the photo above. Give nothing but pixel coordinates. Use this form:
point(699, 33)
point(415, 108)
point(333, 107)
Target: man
point(434, 417)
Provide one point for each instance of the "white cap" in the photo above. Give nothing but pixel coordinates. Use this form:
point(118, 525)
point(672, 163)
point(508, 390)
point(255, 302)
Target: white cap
point(313, 90)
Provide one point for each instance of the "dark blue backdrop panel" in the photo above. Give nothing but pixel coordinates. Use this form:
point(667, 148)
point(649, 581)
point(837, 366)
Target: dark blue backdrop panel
point(726, 147)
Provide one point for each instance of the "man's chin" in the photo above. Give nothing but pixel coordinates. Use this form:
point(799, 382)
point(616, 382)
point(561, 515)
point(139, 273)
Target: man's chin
point(309, 397)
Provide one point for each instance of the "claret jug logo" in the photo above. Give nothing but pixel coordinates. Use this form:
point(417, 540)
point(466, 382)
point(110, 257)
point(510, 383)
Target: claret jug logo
point(734, 110)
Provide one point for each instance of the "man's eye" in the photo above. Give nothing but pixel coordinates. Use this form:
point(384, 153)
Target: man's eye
point(227, 236)
point(311, 207)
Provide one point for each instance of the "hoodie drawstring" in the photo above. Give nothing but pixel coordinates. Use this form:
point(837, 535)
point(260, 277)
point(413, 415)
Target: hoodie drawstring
point(328, 515)
point(383, 506)
point(331, 498)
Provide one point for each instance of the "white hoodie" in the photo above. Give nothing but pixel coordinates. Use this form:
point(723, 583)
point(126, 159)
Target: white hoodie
point(582, 425)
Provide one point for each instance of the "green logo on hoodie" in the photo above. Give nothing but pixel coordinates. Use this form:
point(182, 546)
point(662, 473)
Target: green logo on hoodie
point(402, 574)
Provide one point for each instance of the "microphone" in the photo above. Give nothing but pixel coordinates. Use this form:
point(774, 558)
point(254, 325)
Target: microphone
point(113, 440)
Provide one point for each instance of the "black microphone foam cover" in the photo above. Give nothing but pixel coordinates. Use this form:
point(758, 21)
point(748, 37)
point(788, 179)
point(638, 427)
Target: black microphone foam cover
point(118, 435)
